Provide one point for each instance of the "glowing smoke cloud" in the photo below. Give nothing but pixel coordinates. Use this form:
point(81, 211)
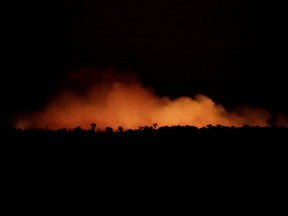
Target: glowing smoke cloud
point(128, 104)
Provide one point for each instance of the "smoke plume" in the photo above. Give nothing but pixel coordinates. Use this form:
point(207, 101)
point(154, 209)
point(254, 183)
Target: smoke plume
point(113, 100)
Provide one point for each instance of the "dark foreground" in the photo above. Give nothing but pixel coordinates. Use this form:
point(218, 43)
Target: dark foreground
point(247, 166)
point(166, 145)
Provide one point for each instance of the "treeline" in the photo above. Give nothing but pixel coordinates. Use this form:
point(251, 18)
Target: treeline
point(147, 135)
point(175, 147)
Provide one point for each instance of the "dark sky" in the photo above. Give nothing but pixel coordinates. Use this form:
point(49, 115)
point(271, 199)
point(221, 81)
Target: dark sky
point(228, 50)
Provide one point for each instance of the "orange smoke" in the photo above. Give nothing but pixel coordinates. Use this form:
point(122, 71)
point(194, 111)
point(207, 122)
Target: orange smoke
point(130, 105)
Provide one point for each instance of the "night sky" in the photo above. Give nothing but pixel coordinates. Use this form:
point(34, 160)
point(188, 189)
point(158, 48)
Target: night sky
point(229, 50)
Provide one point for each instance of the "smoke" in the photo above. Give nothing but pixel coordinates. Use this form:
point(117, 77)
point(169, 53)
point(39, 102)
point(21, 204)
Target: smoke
point(113, 100)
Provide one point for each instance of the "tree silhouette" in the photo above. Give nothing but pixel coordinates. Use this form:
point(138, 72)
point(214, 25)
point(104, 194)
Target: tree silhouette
point(147, 128)
point(155, 125)
point(141, 127)
point(78, 129)
point(120, 129)
point(109, 130)
point(93, 127)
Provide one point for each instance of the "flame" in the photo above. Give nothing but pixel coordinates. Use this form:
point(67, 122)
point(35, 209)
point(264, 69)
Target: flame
point(118, 102)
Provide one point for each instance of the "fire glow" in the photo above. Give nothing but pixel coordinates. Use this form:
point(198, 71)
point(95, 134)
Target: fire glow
point(118, 102)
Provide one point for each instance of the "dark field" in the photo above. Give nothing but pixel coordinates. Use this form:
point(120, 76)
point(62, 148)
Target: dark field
point(166, 145)
point(242, 167)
